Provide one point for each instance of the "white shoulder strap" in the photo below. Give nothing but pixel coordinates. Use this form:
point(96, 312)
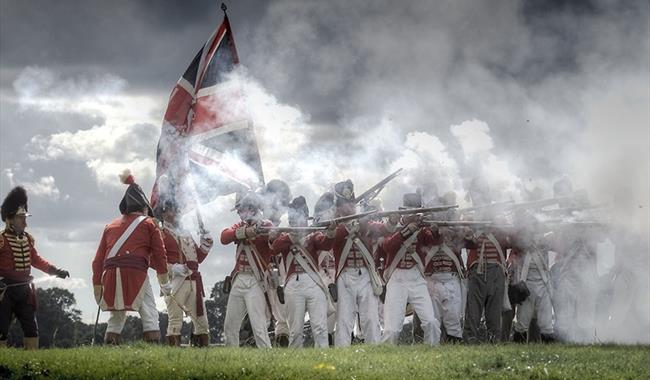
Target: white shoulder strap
point(344, 254)
point(496, 244)
point(127, 233)
point(453, 258)
point(400, 254)
point(525, 266)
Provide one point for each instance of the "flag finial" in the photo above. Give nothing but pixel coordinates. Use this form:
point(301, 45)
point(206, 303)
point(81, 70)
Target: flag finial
point(224, 7)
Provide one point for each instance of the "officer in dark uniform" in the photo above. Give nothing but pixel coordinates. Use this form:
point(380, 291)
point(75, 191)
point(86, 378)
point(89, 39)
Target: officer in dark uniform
point(17, 257)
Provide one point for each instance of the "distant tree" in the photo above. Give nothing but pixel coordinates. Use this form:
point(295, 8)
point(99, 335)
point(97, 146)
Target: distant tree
point(59, 323)
point(215, 307)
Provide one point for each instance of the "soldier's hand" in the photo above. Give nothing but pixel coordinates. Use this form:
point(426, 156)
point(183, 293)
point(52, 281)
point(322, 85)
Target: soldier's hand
point(206, 241)
point(166, 289)
point(98, 292)
point(251, 232)
point(330, 232)
point(394, 218)
point(60, 273)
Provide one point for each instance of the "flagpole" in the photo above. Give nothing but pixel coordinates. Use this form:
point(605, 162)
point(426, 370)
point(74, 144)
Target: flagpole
point(224, 8)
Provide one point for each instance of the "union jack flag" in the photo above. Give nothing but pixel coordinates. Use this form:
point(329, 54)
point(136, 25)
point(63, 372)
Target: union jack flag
point(207, 145)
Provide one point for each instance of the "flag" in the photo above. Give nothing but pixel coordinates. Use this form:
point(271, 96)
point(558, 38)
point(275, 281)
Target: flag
point(207, 145)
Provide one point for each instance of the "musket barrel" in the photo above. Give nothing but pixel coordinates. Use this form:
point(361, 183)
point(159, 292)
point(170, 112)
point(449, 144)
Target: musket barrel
point(344, 219)
point(424, 210)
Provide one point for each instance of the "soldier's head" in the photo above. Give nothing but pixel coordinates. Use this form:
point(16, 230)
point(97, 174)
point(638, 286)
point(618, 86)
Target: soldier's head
point(275, 197)
point(14, 209)
point(410, 201)
point(479, 192)
point(170, 211)
point(298, 212)
point(248, 206)
point(344, 193)
point(325, 208)
point(134, 200)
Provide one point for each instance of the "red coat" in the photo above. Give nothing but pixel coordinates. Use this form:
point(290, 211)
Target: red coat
point(174, 254)
point(18, 256)
point(174, 240)
point(490, 253)
point(260, 242)
point(425, 240)
point(368, 233)
point(314, 243)
point(124, 275)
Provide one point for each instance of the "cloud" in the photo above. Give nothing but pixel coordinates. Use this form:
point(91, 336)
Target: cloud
point(42, 187)
point(126, 138)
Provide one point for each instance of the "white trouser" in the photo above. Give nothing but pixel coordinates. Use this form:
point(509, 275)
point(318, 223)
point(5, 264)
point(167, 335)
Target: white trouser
point(280, 313)
point(246, 295)
point(328, 277)
point(355, 291)
point(446, 296)
point(148, 313)
point(538, 305)
point(574, 306)
point(302, 294)
point(185, 296)
point(409, 286)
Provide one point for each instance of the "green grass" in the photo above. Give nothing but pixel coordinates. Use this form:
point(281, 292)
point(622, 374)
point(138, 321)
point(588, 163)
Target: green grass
point(141, 361)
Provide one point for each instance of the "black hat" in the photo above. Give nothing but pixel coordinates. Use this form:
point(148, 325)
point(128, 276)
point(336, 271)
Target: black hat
point(411, 200)
point(344, 192)
point(324, 204)
point(15, 203)
point(298, 209)
point(134, 199)
point(277, 190)
point(562, 187)
point(248, 200)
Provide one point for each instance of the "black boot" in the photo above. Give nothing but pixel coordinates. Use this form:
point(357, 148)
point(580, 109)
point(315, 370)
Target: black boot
point(454, 339)
point(330, 339)
point(548, 338)
point(282, 340)
point(520, 337)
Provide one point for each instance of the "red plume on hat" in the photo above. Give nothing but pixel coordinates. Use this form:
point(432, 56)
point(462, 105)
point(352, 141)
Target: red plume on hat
point(126, 177)
point(134, 198)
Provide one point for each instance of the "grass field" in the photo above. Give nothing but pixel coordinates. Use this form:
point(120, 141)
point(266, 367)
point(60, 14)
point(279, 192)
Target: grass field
point(141, 361)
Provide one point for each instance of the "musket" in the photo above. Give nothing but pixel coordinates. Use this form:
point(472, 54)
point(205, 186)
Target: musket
point(343, 219)
point(539, 203)
point(579, 224)
point(411, 211)
point(372, 192)
point(290, 229)
point(486, 207)
point(468, 223)
point(458, 223)
point(562, 210)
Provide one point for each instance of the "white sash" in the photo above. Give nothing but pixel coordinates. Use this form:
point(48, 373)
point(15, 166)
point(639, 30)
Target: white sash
point(127, 233)
point(400, 255)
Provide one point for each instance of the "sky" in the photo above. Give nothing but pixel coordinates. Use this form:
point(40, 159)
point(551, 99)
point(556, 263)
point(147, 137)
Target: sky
point(521, 92)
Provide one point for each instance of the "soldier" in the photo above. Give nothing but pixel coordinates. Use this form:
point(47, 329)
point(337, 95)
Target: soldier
point(305, 289)
point(17, 257)
point(130, 245)
point(325, 210)
point(183, 259)
point(247, 290)
point(445, 275)
point(406, 251)
point(275, 199)
point(357, 281)
point(486, 283)
point(530, 266)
